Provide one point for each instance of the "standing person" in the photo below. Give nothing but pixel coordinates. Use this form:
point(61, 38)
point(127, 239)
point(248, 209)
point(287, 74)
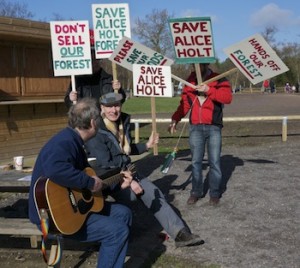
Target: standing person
point(265, 86)
point(112, 146)
point(94, 85)
point(206, 122)
point(272, 86)
point(63, 161)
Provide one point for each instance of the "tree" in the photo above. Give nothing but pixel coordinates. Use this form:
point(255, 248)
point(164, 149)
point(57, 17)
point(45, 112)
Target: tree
point(153, 31)
point(15, 10)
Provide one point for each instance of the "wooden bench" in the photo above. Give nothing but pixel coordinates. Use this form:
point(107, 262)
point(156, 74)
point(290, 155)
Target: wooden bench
point(23, 227)
point(20, 227)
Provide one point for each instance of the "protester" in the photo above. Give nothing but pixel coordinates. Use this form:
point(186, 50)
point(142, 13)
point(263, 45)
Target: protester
point(63, 161)
point(94, 85)
point(206, 122)
point(112, 146)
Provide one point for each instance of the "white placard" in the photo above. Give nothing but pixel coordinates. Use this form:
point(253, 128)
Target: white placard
point(71, 49)
point(192, 40)
point(152, 81)
point(111, 22)
point(256, 59)
point(129, 52)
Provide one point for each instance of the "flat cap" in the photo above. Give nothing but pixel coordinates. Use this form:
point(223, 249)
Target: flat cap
point(111, 98)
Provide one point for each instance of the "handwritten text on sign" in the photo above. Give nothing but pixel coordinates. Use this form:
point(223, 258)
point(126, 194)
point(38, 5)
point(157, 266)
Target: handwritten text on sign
point(129, 52)
point(111, 23)
point(256, 59)
point(70, 47)
point(152, 81)
point(192, 39)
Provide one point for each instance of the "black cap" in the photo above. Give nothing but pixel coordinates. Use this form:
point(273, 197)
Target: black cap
point(111, 98)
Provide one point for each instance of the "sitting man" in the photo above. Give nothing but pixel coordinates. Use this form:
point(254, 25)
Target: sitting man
point(112, 146)
point(63, 160)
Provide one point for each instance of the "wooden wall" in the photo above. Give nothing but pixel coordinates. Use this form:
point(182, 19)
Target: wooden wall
point(24, 128)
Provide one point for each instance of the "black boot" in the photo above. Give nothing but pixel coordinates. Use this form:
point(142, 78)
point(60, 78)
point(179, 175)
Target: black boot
point(186, 238)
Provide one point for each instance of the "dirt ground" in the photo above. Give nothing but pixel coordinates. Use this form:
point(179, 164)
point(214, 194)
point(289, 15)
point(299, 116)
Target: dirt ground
point(255, 225)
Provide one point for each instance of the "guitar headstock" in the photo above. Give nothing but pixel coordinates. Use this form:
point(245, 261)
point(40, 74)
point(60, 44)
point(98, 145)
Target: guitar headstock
point(132, 168)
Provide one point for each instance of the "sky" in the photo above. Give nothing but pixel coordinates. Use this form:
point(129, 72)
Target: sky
point(232, 20)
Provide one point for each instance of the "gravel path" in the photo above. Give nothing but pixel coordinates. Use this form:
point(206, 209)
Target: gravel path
point(255, 225)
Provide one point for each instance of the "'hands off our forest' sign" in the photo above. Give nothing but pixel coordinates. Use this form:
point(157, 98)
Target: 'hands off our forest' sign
point(70, 47)
point(256, 59)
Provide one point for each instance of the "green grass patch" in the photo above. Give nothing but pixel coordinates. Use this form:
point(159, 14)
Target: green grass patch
point(142, 105)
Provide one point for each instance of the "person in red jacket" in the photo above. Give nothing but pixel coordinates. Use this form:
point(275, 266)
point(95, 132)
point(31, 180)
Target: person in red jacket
point(205, 104)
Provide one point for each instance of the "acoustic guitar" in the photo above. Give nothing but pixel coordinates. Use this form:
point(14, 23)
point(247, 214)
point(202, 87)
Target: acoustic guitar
point(67, 209)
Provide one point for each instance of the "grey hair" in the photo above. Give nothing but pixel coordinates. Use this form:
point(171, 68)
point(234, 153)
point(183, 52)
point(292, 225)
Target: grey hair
point(81, 113)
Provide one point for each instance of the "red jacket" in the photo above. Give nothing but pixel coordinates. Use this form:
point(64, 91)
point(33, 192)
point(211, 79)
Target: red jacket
point(211, 111)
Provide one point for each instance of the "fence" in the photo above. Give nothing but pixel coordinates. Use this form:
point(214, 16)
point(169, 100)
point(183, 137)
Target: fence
point(284, 120)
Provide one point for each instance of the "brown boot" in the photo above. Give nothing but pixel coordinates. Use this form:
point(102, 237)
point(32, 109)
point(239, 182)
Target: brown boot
point(192, 200)
point(214, 201)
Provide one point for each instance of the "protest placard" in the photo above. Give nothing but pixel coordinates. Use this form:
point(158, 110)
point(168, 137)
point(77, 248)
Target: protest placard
point(129, 52)
point(70, 47)
point(255, 58)
point(152, 81)
point(193, 40)
point(110, 23)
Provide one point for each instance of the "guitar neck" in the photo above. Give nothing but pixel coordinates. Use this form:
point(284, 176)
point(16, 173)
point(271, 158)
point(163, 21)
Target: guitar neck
point(112, 180)
point(117, 177)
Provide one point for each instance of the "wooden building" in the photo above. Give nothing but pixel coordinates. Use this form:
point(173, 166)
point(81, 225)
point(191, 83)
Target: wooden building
point(31, 98)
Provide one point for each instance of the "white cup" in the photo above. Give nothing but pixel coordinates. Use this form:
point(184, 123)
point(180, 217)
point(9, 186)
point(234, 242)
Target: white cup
point(18, 162)
point(92, 161)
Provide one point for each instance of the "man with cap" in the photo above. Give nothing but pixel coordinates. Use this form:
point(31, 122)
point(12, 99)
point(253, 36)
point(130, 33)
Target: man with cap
point(205, 104)
point(112, 147)
point(94, 85)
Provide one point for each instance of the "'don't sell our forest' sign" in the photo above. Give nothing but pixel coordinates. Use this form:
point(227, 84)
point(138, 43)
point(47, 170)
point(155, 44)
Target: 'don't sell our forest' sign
point(71, 51)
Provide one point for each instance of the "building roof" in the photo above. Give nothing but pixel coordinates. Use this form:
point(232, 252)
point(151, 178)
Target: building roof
point(24, 30)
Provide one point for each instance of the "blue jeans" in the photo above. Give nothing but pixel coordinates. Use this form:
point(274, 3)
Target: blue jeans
point(210, 136)
point(110, 227)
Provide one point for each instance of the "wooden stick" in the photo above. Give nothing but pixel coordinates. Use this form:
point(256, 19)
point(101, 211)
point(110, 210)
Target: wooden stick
point(73, 85)
point(207, 81)
point(153, 111)
point(114, 71)
point(220, 76)
point(183, 81)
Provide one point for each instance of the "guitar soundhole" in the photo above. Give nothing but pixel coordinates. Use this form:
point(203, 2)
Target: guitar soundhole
point(86, 194)
point(84, 207)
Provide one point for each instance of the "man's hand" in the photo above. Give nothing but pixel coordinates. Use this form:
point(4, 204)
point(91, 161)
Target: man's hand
point(153, 139)
point(172, 127)
point(73, 96)
point(98, 184)
point(116, 85)
point(202, 88)
point(127, 179)
point(136, 188)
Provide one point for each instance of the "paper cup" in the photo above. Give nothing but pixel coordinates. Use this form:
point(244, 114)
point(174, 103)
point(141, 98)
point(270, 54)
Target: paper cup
point(92, 161)
point(18, 162)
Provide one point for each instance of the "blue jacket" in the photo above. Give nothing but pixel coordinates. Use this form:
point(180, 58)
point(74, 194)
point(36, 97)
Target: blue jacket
point(62, 160)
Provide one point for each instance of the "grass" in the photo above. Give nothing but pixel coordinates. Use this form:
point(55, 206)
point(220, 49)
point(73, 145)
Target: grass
point(142, 105)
